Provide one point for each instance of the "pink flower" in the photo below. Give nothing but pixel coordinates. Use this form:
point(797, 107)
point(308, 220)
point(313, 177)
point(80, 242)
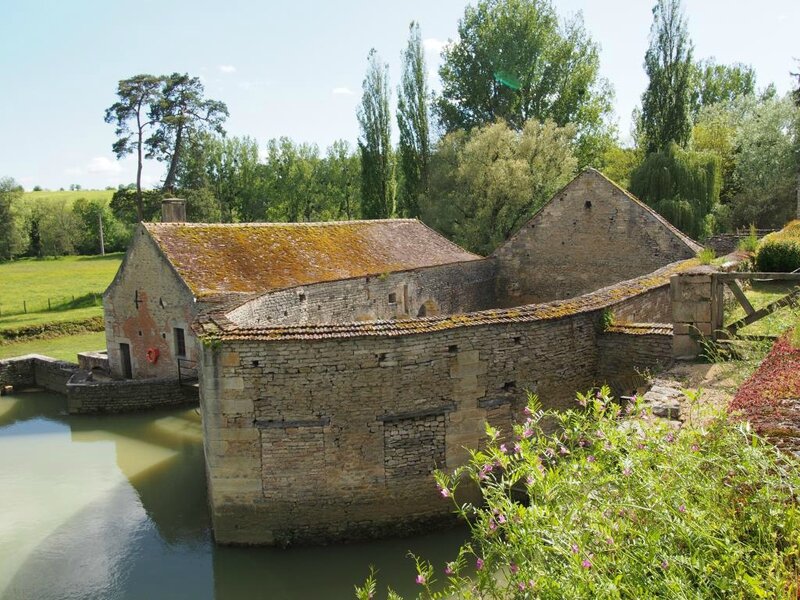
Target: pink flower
point(586, 563)
point(517, 448)
point(695, 448)
point(626, 471)
point(682, 508)
point(421, 579)
point(503, 448)
point(448, 569)
point(670, 437)
point(590, 458)
point(527, 411)
point(513, 568)
point(444, 492)
point(574, 548)
point(501, 518)
point(563, 450)
point(479, 564)
point(527, 432)
point(521, 586)
point(492, 525)
point(664, 565)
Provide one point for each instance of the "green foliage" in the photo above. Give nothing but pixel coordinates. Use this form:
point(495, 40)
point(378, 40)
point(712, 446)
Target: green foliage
point(61, 348)
point(619, 163)
point(779, 252)
point(606, 319)
point(486, 184)
point(374, 118)
point(750, 243)
point(12, 239)
point(123, 205)
point(767, 161)
point(668, 63)
point(580, 505)
point(515, 60)
point(706, 256)
point(412, 120)
point(681, 185)
point(88, 215)
point(714, 83)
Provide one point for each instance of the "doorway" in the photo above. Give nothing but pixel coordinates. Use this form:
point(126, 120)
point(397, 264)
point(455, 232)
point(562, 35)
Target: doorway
point(125, 356)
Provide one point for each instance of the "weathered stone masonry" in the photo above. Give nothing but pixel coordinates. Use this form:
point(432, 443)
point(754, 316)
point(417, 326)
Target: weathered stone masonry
point(303, 436)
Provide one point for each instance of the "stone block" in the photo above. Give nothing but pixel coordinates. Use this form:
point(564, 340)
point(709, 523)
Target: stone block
point(685, 346)
point(232, 383)
point(230, 359)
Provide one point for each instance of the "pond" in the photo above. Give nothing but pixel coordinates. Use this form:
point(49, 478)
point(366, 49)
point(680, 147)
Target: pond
point(115, 507)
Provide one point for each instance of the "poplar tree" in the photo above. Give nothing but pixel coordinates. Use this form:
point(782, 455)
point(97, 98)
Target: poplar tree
point(666, 102)
point(412, 120)
point(377, 186)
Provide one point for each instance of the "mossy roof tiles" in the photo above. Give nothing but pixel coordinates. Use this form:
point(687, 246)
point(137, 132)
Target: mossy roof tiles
point(215, 324)
point(259, 257)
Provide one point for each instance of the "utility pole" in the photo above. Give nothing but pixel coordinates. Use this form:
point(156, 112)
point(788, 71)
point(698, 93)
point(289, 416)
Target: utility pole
point(102, 243)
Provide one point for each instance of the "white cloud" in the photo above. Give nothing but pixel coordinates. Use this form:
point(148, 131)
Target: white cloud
point(434, 45)
point(342, 91)
point(103, 165)
point(227, 69)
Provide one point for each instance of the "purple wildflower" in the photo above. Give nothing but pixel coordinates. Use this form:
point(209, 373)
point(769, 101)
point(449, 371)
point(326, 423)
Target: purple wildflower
point(521, 586)
point(517, 448)
point(479, 564)
point(563, 450)
point(444, 492)
point(448, 569)
point(590, 458)
point(574, 548)
point(503, 448)
point(664, 565)
point(586, 563)
point(626, 471)
point(421, 579)
point(513, 568)
point(670, 437)
point(682, 508)
point(695, 448)
point(527, 432)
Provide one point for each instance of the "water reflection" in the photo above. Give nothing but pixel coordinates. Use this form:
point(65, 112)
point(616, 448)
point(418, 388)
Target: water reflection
point(116, 507)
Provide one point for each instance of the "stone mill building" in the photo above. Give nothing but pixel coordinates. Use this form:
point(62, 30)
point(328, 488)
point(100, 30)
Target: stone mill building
point(340, 363)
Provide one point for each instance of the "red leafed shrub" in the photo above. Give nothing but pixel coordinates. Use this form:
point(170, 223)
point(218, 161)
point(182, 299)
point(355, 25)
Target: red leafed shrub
point(770, 399)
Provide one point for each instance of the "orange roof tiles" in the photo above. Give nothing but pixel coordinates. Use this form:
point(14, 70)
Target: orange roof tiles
point(258, 257)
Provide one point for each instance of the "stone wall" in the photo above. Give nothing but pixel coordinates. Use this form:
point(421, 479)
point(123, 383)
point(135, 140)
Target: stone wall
point(35, 370)
point(654, 306)
point(725, 243)
point(143, 305)
point(304, 438)
point(590, 235)
point(628, 352)
point(87, 396)
point(694, 314)
point(444, 289)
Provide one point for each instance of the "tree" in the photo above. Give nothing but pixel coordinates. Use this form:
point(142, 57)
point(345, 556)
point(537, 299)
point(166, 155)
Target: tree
point(89, 214)
point(412, 120)
point(681, 185)
point(668, 63)
point(767, 160)
point(11, 240)
point(486, 184)
point(180, 112)
point(340, 181)
point(714, 83)
point(377, 177)
point(137, 96)
point(514, 60)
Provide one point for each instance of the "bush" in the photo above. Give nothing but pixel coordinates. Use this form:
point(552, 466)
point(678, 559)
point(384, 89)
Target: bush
point(779, 252)
point(631, 509)
point(749, 243)
point(706, 256)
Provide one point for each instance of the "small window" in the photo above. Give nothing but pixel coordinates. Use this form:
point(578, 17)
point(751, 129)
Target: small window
point(301, 297)
point(180, 342)
point(392, 298)
point(452, 349)
point(587, 204)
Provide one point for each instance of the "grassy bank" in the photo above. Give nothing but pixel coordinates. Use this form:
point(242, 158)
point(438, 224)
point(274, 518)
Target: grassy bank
point(63, 348)
point(69, 285)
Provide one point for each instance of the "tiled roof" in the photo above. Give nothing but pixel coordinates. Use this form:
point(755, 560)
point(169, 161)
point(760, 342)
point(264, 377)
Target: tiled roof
point(215, 325)
point(258, 257)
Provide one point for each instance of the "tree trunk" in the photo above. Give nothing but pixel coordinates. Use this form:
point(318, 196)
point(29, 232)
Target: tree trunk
point(139, 202)
point(169, 181)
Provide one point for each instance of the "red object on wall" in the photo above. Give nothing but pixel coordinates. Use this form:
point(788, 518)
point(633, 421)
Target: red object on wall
point(152, 355)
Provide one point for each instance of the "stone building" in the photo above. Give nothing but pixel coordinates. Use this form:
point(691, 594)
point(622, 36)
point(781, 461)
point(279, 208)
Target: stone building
point(341, 363)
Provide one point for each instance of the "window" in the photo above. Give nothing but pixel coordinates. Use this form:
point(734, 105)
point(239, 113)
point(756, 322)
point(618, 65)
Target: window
point(392, 298)
point(180, 342)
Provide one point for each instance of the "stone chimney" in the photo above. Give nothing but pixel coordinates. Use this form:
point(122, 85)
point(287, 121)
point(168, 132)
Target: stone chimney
point(173, 210)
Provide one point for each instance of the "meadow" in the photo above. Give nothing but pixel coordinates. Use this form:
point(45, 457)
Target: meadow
point(68, 196)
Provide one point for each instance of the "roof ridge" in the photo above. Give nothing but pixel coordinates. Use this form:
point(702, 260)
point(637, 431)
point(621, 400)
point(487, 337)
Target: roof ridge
point(282, 224)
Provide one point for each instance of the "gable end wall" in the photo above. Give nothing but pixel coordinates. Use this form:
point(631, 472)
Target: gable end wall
point(571, 248)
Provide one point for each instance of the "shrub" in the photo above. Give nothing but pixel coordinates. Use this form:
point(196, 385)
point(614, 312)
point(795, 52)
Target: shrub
point(706, 256)
point(779, 252)
point(750, 243)
point(633, 509)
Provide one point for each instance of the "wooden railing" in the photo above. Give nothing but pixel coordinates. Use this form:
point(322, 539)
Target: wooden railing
point(187, 371)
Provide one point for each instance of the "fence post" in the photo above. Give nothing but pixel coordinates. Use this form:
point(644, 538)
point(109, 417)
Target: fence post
point(25, 307)
point(48, 305)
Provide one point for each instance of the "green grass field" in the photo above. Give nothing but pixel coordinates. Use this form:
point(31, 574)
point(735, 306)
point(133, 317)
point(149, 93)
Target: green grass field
point(68, 196)
point(760, 294)
point(63, 348)
point(31, 282)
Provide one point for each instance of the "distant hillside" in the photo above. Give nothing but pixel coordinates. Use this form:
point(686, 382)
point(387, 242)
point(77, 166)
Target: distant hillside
point(68, 196)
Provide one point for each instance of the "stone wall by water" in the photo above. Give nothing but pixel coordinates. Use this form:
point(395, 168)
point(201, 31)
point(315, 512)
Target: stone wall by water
point(87, 396)
point(311, 436)
point(35, 370)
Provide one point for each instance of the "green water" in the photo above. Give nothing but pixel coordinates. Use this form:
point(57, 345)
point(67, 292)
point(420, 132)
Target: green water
point(116, 507)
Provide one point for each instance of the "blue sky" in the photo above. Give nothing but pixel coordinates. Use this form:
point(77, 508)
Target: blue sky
point(289, 68)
